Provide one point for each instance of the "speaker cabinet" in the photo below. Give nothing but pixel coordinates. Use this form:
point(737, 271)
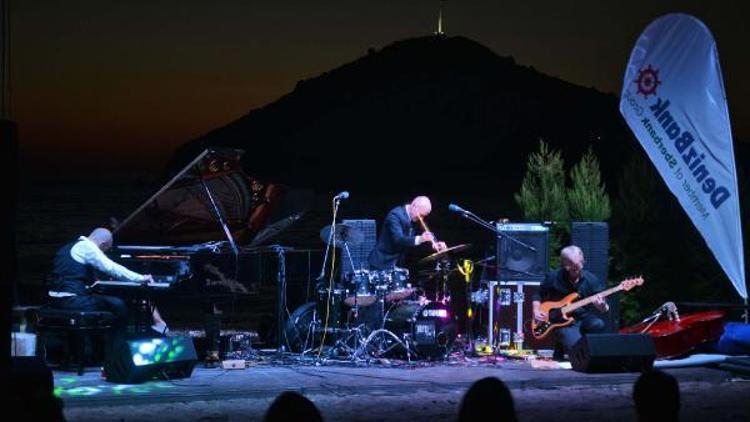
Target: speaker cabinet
point(361, 251)
point(613, 353)
point(522, 252)
point(593, 239)
point(140, 360)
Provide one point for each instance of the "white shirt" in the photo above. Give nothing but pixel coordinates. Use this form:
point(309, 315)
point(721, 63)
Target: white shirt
point(86, 252)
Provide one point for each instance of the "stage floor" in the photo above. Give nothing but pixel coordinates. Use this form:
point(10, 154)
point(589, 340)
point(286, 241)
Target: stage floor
point(399, 391)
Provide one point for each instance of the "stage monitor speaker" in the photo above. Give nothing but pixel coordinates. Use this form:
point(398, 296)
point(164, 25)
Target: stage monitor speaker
point(144, 359)
point(613, 353)
point(522, 252)
point(360, 252)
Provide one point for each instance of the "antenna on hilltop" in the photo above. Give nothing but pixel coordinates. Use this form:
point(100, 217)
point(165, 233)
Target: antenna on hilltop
point(440, 20)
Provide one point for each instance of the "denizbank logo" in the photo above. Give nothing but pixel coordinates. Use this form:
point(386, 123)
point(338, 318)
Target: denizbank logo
point(679, 148)
point(647, 81)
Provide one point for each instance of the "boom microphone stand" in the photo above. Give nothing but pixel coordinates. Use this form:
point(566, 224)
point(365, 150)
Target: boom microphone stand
point(491, 284)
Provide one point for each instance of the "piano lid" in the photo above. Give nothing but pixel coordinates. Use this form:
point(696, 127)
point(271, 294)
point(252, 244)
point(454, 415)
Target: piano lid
point(183, 212)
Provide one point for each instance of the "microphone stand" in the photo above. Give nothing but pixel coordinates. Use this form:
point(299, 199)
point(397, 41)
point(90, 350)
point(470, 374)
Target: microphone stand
point(489, 226)
point(491, 284)
point(336, 203)
point(321, 277)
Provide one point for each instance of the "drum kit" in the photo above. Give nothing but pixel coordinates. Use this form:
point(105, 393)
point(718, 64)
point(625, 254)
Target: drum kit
point(377, 313)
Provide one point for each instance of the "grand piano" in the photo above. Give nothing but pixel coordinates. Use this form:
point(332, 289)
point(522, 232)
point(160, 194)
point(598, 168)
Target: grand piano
point(208, 234)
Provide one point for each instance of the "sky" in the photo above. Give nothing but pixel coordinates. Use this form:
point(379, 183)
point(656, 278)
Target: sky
point(123, 83)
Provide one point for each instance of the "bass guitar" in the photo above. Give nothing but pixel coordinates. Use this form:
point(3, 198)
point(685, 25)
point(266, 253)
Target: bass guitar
point(560, 313)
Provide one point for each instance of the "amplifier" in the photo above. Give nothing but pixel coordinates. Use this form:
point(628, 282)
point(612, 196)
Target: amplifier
point(522, 252)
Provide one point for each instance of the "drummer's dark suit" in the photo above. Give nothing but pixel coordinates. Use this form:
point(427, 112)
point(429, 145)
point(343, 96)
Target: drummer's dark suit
point(396, 236)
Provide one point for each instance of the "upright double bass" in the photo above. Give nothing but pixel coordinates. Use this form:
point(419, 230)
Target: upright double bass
point(676, 336)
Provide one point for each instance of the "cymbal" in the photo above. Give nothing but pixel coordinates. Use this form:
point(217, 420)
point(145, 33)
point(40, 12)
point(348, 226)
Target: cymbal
point(343, 233)
point(444, 252)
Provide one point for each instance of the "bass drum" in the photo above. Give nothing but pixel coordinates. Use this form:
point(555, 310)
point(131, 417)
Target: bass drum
point(298, 335)
point(304, 327)
point(430, 328)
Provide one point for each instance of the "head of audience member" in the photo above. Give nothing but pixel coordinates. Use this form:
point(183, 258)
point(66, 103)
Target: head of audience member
point(32, 394)
point(657, 397)
point(292, 406)
point(102, 238)
point(487, 396)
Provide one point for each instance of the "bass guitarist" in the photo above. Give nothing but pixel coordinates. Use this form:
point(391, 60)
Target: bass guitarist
point(572, 278)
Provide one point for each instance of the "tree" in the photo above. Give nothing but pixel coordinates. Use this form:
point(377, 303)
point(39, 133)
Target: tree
point(542, 196)
point(587, 198)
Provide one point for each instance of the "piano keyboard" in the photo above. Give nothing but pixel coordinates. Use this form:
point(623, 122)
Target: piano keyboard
point(114, 283)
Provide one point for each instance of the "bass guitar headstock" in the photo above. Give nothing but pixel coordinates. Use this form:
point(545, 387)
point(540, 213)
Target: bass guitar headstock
point(629, 283)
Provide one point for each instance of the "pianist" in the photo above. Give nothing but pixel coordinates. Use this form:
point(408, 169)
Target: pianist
point(74, 270)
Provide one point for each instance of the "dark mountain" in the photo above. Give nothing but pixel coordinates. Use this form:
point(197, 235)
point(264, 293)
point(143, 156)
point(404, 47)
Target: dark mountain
point(431, 114)
point(447, 117)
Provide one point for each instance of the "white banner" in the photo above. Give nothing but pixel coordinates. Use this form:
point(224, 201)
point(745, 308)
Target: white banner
point(673, 100)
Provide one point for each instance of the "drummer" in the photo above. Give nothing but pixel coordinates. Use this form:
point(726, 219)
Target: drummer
point(399, 234)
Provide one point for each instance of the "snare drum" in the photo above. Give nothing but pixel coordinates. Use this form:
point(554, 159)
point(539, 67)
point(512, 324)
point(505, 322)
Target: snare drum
point(399, 287)
point(361, 291)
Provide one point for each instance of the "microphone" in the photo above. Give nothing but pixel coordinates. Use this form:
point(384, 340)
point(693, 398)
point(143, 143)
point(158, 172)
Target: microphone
point(456, 208)
point(341, 195)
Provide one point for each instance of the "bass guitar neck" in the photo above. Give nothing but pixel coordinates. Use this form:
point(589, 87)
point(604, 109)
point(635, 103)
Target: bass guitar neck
point(560, 313)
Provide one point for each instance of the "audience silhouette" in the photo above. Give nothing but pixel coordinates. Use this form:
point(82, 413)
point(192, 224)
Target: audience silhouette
point(32, 389)
point(291, 406)
point(487, 397)
point(657, 397)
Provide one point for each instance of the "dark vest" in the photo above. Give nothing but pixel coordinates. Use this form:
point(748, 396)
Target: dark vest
point(68, 275)
point(394, 240)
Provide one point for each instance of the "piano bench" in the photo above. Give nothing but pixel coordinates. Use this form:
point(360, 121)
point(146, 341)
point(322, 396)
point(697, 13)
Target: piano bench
point(75, 327)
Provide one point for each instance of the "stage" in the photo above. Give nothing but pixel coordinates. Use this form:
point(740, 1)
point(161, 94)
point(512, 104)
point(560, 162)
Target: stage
point(389, 391)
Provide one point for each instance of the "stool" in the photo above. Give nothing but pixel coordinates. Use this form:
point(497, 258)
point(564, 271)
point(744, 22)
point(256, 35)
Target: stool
point(76, 327)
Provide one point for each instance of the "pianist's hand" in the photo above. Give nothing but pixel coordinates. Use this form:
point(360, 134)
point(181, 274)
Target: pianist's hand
point(147, 278)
